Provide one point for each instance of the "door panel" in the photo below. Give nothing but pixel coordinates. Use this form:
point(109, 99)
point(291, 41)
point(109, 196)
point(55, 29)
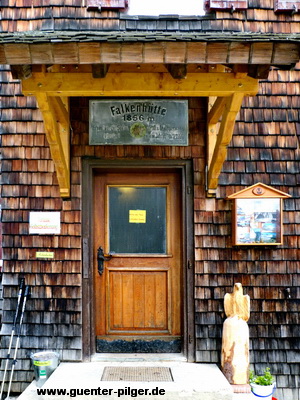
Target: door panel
point(138, 301)
point(138, 220)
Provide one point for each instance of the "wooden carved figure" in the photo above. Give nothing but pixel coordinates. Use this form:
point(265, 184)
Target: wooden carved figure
point(235, 340)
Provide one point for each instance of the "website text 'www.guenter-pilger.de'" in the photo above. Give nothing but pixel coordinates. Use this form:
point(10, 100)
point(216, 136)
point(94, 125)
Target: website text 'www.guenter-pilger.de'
point(125, 391)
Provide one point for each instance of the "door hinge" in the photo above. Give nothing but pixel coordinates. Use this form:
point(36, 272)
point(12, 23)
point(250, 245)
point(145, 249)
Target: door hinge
point(189, 189)
point(189, 264)
point(190, 339)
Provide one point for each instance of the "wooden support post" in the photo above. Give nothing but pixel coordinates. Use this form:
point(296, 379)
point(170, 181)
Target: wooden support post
point(231, 106)
point(215, 109)
point(57, 129)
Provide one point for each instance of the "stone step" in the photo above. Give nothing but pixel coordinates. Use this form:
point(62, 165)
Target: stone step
point(191, 381)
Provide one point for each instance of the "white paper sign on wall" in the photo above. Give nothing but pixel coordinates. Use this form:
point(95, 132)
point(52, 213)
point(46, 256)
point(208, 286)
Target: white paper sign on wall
point(44, 222)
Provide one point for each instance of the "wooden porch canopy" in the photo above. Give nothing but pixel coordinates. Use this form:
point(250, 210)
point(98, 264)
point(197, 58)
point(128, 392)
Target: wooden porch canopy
point(225, 71)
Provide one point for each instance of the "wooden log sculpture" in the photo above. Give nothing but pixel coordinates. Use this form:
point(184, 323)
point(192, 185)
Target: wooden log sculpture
point(235, 340)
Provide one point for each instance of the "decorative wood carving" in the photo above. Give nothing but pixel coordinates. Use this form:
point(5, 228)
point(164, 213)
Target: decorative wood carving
point(235, 338)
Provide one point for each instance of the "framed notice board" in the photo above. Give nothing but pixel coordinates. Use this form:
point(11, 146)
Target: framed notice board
point(257, 216)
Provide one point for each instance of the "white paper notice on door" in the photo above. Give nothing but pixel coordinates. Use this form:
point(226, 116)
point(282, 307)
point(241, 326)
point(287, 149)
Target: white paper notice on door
point(137, 216)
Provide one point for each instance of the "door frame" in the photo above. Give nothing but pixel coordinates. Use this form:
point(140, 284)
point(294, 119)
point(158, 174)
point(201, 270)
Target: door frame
point(89, 167)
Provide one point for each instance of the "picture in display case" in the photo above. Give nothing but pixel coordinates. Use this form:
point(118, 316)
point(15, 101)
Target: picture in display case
point(257, 215)
point(258, 221)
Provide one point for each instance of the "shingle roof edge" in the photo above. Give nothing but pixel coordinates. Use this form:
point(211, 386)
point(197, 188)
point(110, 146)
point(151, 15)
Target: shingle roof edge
point(113, 36)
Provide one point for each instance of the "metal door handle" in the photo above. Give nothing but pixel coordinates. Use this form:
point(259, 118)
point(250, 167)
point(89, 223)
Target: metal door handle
point(101, 258)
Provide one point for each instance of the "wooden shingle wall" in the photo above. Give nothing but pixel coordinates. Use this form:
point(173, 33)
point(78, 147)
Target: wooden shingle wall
point(265, 148)
point(52, 318)
point(72, 15)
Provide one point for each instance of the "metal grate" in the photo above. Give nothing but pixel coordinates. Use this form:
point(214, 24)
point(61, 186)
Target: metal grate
point(137, 374)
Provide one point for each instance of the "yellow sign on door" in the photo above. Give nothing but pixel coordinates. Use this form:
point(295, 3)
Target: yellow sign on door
point(137, 216)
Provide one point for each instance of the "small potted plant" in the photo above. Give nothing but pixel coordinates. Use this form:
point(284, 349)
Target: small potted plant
point(263, 386)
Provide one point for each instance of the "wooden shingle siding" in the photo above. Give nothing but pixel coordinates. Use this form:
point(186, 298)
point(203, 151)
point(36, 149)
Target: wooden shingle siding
point(265, 148)
point(257, 153)
point(286, 6)
point(53, 320)
point(105, 4)
point(256, 16)
point(53, 317)
point(271, 138)
point(226, 4)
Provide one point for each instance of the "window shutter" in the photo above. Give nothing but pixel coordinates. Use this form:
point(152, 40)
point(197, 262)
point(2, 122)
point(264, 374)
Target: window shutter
point(106, 4)
point(226, 4)
point(286, 6)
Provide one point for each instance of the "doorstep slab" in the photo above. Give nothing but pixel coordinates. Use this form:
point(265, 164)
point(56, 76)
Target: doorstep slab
point(191, 381)
point(243, 396)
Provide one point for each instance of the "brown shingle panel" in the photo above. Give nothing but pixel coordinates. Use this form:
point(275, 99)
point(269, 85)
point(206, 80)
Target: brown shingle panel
point(217, 53)
point(261, 53)
point(132, 52)
point(17, 54)
point(175, 53)
point(89, 53)
point(154, 52)
point(65, 53)
point(110, 53)
point(239, 53)
point(282, 49)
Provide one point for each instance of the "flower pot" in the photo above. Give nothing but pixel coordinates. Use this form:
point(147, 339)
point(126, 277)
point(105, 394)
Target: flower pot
point(263, 392)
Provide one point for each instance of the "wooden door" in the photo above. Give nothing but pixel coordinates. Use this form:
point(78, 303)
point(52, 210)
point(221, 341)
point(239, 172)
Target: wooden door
point(137, 219)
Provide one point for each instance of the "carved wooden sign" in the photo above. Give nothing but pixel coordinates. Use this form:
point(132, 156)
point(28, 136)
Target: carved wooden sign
point(139, 122)
point(257, 215)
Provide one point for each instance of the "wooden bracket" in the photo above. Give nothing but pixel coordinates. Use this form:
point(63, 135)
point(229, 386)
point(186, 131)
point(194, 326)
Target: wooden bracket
point(57, 128)
point(100, 70)
point(177, 71)
point(216, 108)
point(259, 71)
point(219, 137)
point(21, 71)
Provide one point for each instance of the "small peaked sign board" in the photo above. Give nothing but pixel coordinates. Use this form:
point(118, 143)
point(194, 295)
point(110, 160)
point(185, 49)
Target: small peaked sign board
point(257, 216)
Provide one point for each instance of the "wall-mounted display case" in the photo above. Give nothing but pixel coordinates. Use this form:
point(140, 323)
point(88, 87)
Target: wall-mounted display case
point(257, 216)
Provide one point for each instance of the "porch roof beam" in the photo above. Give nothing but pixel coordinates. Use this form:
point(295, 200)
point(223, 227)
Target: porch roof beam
point(139, 85)
point(52, 89)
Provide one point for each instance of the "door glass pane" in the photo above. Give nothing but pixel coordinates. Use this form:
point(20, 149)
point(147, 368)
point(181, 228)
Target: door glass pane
point(137, 219)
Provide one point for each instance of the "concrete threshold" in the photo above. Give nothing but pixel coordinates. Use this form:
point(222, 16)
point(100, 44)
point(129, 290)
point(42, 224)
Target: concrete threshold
point(191, 381)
